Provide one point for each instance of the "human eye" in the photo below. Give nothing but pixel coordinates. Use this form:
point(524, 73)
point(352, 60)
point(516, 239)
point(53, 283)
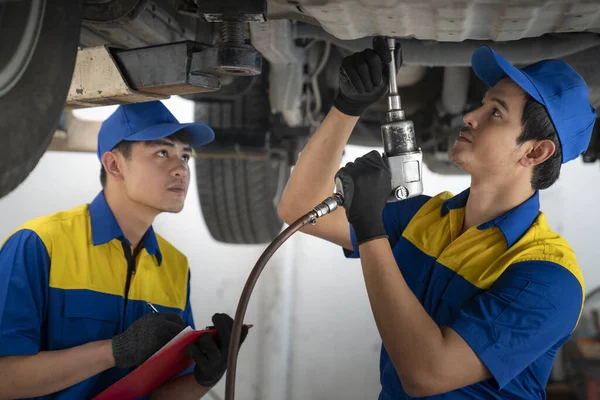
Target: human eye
point(496, 112)
point(162, 153)
point(186, 157)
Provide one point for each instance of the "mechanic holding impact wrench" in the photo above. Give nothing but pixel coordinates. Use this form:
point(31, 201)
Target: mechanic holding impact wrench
point(472, 294)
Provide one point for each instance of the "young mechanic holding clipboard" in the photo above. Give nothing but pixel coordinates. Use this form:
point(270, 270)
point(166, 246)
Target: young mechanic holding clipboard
point(75, 285)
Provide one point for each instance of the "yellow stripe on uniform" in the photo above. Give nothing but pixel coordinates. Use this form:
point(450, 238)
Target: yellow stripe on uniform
point(481, 256)
point(77, 264)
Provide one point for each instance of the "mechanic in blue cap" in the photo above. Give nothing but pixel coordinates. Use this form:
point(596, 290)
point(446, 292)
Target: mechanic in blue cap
point(88, 294)
point(472, 294)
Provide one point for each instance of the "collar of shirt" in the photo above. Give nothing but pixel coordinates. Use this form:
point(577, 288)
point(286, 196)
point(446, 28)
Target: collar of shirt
point(513, 223)
point(105, 228)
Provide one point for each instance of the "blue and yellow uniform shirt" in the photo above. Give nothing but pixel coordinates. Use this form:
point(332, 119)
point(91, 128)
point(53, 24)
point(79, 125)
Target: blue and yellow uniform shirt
point(511, 288)
point(70, 278)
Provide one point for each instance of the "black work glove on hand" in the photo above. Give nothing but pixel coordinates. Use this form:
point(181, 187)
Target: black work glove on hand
point(364, 77)
point(367, 185)
point(210, 354)
point(145, 337)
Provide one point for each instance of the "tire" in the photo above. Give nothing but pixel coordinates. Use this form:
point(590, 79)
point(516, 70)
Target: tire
point(34, 87)
point(238, 196)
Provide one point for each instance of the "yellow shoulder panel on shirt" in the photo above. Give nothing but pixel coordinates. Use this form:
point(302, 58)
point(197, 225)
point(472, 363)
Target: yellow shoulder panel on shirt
point(165, 285)
point(77, 264)
point(52, 228)
point(541, 243)
point(481, 256)
point(427, 230)
point(482, 263)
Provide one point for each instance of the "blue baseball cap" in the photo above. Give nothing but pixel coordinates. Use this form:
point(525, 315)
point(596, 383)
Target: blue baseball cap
point(553, 83)
point(147, 121)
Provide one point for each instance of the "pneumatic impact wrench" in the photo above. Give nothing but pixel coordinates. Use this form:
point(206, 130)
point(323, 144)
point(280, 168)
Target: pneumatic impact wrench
point(401, 153)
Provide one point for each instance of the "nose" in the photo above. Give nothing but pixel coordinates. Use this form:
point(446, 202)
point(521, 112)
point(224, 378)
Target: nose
point(470, 119)
point(181, 169)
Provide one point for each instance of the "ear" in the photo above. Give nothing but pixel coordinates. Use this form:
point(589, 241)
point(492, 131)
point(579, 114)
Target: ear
point(113, 164)
point(538, 152)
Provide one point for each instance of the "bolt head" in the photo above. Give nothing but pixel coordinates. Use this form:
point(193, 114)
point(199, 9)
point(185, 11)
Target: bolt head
point(401, 193)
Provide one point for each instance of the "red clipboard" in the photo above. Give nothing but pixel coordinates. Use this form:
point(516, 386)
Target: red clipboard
point(164, 365)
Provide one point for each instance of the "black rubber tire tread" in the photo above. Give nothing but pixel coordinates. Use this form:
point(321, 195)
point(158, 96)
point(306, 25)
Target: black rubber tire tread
point(238, 198)
point(32, 109)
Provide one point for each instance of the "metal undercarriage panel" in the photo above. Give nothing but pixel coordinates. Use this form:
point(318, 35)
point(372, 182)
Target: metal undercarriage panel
point(446, 21)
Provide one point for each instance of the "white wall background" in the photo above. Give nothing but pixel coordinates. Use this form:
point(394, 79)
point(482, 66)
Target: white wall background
point(314, 337)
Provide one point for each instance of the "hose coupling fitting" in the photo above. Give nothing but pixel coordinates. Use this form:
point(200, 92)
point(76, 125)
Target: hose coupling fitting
point(327, 206)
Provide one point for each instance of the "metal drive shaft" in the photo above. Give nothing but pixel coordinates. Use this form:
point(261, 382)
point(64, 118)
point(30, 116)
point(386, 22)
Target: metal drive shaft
point(393, 97)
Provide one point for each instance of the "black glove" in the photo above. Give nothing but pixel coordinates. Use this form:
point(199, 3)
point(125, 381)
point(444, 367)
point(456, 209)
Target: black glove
point(364, 77)
point(367, 185)
point(145, 337)
point(210, 354)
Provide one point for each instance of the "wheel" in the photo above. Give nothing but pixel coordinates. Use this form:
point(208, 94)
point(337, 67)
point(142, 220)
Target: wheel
point(37, 57)
point(239, 196)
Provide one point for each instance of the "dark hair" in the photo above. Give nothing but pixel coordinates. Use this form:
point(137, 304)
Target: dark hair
point(124, 147)
point(537, 125)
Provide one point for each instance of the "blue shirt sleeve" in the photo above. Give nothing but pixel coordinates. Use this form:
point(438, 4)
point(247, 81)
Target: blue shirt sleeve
point(533, 306)
point(396, 217)
point(24, 274)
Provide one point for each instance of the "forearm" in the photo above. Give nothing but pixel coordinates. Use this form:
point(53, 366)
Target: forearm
point(413, 340)
point(184, 387)
point(50, 371)
point(312, 179)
